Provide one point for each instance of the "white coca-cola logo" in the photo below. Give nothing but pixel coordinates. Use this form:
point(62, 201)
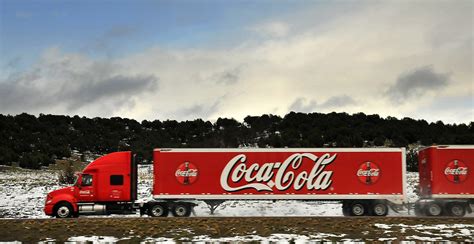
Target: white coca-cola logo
point(458, 171)
point(262, 177)
point(370, 172)
point(186, 173)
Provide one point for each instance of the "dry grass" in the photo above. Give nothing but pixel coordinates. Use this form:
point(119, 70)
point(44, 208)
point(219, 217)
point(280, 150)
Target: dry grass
point(182, 229)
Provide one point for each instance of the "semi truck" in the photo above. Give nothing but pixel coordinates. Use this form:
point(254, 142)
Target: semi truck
point(367, 181)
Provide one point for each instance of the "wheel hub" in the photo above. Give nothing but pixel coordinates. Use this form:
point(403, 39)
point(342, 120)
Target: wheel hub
point(63, 211)
point(157, 210)
point(358, 209)
point(380, 209)
point(181, 211)
point(434, 209)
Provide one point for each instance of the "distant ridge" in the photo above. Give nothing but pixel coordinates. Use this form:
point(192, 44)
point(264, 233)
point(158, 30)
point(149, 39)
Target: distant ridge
point(37, 141)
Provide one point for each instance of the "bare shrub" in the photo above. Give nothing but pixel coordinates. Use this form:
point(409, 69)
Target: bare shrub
point(67, 176)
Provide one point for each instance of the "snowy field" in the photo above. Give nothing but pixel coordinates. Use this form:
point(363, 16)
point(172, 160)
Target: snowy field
point(23, 192)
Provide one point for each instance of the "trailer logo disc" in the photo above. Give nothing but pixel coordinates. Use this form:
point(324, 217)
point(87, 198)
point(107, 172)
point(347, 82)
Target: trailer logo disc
point(456, 171)
point(368, 173)
point(186, 173)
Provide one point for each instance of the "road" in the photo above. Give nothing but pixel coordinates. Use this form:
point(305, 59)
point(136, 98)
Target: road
point(186, 229)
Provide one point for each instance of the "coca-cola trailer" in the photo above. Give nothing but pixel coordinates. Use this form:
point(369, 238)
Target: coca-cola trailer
point(365, 180)
point(446, 186)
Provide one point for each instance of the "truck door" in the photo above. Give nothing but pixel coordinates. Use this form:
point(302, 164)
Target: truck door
point(86, 188)
point(116, 190)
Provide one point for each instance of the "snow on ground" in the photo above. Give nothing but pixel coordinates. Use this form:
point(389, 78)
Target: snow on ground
point(422, 234)
point(431, 232)
point(23, 192)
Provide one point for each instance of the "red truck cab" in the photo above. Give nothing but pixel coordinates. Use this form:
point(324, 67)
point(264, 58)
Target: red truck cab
point(107, 185)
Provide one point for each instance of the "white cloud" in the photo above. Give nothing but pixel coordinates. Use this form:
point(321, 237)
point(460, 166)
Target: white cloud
point(352, 57)
point(271, 29)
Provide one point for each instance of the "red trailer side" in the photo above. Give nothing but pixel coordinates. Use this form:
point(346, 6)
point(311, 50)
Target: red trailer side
point(448, 168)
point(446, 184)
point(280, 174)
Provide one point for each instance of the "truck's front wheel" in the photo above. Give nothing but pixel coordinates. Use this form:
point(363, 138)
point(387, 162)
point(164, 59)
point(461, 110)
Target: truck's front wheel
point(63, 210)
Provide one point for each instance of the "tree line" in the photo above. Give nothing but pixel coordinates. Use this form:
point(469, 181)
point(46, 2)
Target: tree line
point(33, 142)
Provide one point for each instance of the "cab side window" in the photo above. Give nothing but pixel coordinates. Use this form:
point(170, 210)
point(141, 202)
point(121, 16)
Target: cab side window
point(116, 180)
point(86, 180)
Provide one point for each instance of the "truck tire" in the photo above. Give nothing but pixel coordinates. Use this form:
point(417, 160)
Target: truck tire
point(63, 210)
point(456, 209)
point(158, 210)
point(434, 209)
point(346, 211)
point(358, 209)
point(379, 209)
point(181, 210)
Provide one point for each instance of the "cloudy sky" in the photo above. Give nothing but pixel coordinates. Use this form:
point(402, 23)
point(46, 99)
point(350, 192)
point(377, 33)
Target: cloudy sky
point(208, 59)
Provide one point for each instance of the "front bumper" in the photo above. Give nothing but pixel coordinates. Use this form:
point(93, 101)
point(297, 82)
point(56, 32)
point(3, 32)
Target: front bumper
point(48, 209)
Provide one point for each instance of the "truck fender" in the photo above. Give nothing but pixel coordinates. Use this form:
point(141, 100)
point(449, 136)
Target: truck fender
point(66, 198)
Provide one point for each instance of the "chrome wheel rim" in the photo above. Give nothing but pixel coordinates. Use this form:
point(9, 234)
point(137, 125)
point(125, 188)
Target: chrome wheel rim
point(358, 209)
point(180, 210)
point(380, 209)
point(434, 209)
point(63, 211)
point(157, 210)
point(457, 210)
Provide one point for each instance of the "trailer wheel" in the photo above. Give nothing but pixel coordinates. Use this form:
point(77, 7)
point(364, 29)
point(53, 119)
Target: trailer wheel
point(158, 210)
point(456, 209)
point(181, 210)
point(63, 210)
point(434, 209)
point(380, 209)
point(358, 209)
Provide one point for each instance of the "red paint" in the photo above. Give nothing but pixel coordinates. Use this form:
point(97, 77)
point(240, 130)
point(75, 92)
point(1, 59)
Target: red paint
point(340, 175)
point(446, 170)
point(100, 190)
point(101, 170)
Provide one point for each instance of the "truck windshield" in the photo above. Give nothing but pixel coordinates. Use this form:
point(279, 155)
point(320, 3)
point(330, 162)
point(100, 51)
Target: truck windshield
point(86, 180)
point(76, 177)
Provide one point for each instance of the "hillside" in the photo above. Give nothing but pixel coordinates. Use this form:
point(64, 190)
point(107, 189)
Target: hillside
point(33, 142)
